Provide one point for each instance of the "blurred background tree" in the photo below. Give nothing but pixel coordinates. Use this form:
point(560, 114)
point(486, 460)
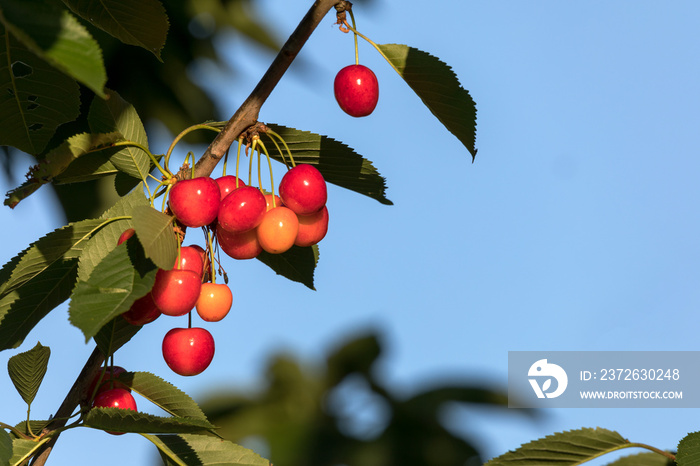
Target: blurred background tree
point(341, 414)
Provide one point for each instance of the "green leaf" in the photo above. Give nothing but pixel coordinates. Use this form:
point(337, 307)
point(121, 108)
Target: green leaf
point(123, 276)
point(564, 448)
point(39, 279)
point(689, 450)
point(5, 448)
point(643, 459)
point(114, 335)
point(114, 114)
point(105, 240)
point(124, 420)
point(297, 264)
point(439, 89)
point(24, 449)
point(56, 36)
point(135, 22)
point(163, 394)
point(35, 426)
point(87, 168)
point(58, 160)
point(30, 107)
point(155, 231)
point(204, 450)
point(338, 163)
point(28, 369)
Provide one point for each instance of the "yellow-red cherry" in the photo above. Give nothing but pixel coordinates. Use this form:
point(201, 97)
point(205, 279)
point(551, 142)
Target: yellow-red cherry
point(215, 300)
point(278, 230)
point(312, 228)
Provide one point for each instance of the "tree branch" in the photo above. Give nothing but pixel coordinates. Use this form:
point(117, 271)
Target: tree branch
point(247, 113)
point(75, 395)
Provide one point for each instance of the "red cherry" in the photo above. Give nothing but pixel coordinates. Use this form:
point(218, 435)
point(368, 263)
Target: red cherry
point(242, 210)
point(204, 256)
point(303, 189)
point(175, 292)
point(115, 398)
point(128, 233)
point(195, 202)
point(227, 184)
point(239, 245)
point(214, 301)
point(190, 259)
point(188, 351)
point(356, 90)
point(143, 311)
point(278, 230)
point(106, 382)
point(312, 228)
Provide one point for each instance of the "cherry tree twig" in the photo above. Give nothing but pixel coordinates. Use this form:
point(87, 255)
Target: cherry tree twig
point(245, 116)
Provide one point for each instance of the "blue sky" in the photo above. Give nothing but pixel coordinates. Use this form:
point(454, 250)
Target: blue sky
point(575, 229)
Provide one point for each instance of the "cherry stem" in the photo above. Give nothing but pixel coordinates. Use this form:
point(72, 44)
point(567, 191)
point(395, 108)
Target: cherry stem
point(286, 147)
point(183, 133)
point(250, 163)
point(225, 164)
point(269, 164)
point(357, 53)
point(238, 158)
point(210, 245)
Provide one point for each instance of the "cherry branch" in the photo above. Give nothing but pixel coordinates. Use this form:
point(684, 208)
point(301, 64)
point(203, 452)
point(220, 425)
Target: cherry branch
point(245, 116)
point(247, 113)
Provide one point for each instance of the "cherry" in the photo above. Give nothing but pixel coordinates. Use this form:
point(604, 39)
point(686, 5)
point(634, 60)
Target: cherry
point(143, 311)
point(195, 202)
point(106, 382)
point(214, 301)
point(191, 259)
point(227, 184)
point(188, 351)
point(175, 292)
point(126, 234)
point(312, 228)
point(356, 90)
point(303, 189)
point(242, 210)
point(278, 230)
point(239, 245)
point(115, 398)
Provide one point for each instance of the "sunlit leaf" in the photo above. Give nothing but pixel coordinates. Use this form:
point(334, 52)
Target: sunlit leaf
point(58, 160)
point(56, 36)
point(124, 420)
point(563, 448)
point(120, 278)
point(163, 394)
point(23, 449)
point(27, 371)
point(155, 231)
point(204, 450)
point(297, 264)
point(31, 105)
point(5, 448)
point(114, 114)
point(439, 89)
point(135, 22)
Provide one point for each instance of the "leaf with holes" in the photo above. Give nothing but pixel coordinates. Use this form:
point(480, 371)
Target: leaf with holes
point(58, 160)
point(57, 37)
point(564, 448)
point(338, 163)
point(123, 276)
point(155, 231)
point(124, 420)
point(135, 22)
point(203, 450)
point(114, 114)
point(439, 89)
point(296, 264)
point(28, 369)
point(30, 109)
point(163, 394)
